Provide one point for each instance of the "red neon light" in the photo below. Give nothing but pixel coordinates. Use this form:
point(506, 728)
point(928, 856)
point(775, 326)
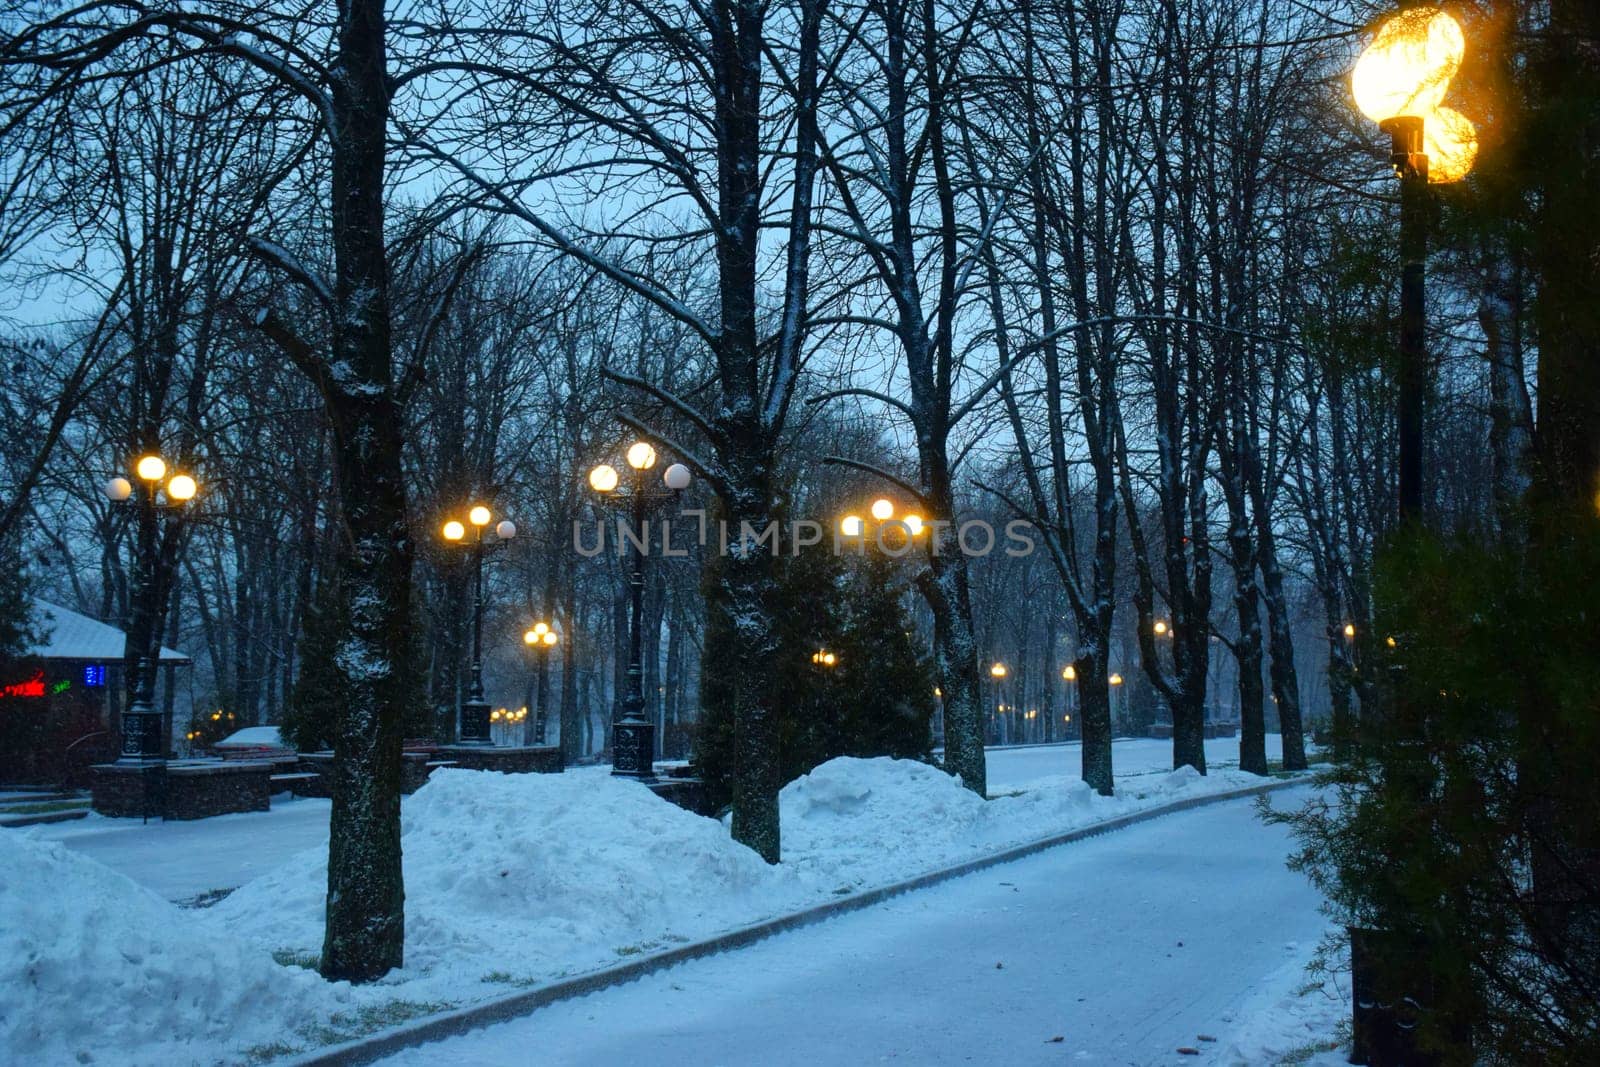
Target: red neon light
point(33, 687)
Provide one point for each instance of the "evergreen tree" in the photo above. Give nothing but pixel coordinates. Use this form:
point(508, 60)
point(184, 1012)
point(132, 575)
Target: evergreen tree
point(875, 699)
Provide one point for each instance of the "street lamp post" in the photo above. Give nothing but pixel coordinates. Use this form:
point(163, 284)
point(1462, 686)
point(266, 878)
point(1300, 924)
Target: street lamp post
point(632, 734)
point(1400, 82)
point(142, 742)
point(474, 712)
point(998, 672)
point(1069, 674)
point(543, 640)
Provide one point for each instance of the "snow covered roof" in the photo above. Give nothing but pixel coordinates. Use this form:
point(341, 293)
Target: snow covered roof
point(253, 737)
point(78, 637)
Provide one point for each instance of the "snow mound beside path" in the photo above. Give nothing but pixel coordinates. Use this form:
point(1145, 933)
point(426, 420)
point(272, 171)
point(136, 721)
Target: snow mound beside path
point(97, 969)
point(517, 877)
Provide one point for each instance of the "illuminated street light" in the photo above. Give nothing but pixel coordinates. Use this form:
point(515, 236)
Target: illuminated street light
point(1400, 82)
point(1349, 629)
point(474, 712)
point(543, 640)
point(883, 509)
point(603, 478)
point(143, 741)
point(998, 670)
point(633, 735)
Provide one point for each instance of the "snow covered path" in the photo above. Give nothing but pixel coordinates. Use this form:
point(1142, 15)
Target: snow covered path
point(181, 860)
point(1127, 946)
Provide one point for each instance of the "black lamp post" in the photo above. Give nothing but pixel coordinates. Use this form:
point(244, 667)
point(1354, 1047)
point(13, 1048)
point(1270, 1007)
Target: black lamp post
point(142, 742)
point(474, 712)
point(543, 640)
point(1400, 82)
point(633, 737)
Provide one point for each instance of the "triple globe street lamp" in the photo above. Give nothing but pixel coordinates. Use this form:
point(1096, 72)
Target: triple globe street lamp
point(542, 639)
point(154, 503)
point(474, 712)
point(632, 734)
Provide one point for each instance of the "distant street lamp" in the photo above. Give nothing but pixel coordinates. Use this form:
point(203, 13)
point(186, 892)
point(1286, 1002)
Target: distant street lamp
point(823, 658)
point(1400, 83)
point(507, 719)
point(543, 640)
point(633, 745)
point(1349, 630)
point(1069, 673)
point(474, 712)
point(142, 741)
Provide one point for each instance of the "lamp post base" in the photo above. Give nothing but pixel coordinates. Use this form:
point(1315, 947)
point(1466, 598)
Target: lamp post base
point(633, 748)
point(475, 724)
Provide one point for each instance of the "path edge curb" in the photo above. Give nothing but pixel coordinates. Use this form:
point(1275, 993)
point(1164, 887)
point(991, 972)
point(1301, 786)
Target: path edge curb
point(375, 1046)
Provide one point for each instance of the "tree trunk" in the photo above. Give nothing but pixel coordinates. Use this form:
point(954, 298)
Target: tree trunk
point(366, 893)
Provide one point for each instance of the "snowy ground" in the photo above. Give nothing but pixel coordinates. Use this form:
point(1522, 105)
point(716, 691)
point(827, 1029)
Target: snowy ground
point(511, 881)
point(182, 860)
point(1116, 950)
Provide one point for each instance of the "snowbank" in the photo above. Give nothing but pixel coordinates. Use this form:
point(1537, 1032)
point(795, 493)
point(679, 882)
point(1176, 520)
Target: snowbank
point(511, 880)
point(525, 878)
point(94, 968)
point(1291, 1018)
point(518, 878)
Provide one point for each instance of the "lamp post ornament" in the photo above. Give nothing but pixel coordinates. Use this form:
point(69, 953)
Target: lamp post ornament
point(632, 734)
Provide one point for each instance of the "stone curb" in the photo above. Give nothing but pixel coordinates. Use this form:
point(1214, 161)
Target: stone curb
point(373, 1047)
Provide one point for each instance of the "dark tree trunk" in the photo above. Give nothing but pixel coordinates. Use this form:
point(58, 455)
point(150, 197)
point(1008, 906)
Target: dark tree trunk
point(366, 893)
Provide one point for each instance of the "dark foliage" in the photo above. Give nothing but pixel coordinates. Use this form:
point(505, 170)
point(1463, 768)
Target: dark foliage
point(877, 698)
point(1464, 817)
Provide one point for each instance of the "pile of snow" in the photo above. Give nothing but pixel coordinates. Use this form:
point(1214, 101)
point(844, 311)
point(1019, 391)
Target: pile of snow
point(1290, 1019)
point(94, 968)
point(860, 823)
point(524, 877)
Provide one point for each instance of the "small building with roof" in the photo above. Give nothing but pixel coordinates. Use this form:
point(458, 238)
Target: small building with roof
point(61, 701)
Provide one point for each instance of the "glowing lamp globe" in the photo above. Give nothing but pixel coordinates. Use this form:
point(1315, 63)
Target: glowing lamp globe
point(641, 457)
point(851, 526)
point(882, 509)
point(550, 637)
point(453, 531)
point(151, 468)
point(676, 477)
point(530, 637)
point(1406, 71)
point(603, 478)
point(914, 524)
point(998, 670)
point(479, 516)
point(182, 488)
point(1070, 673)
